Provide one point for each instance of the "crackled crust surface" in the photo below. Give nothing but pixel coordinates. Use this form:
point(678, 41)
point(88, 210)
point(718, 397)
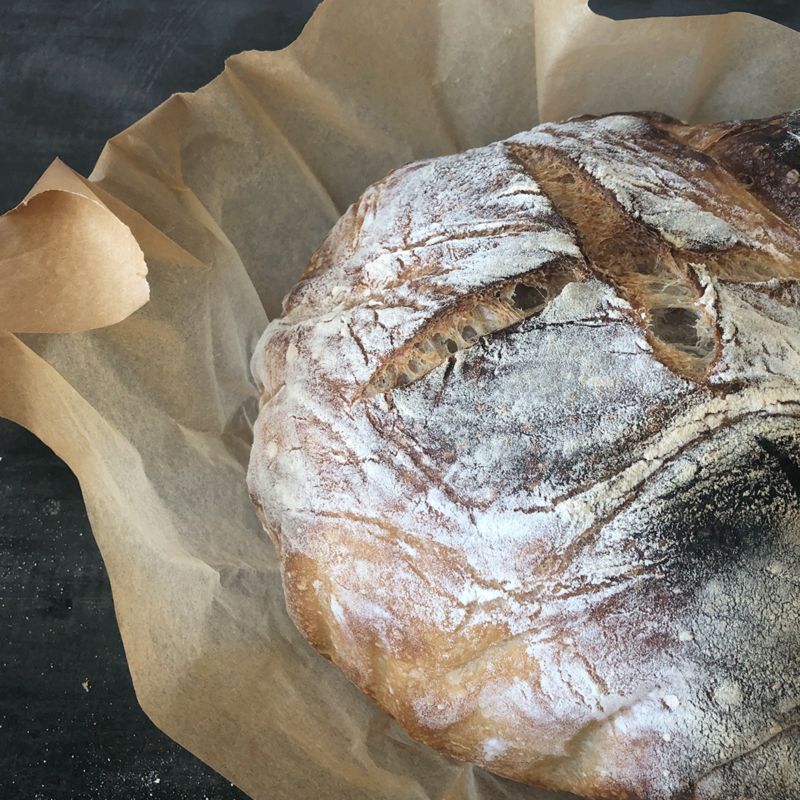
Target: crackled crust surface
point(528, 448)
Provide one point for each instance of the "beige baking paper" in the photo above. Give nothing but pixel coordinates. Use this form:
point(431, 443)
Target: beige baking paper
point(66, 262)
point(226, 192)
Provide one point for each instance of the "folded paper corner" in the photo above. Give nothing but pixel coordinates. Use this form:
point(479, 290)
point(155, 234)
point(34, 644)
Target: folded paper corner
point(67, 263)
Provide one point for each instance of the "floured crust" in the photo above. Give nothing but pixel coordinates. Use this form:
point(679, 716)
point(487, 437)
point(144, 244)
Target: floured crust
point(528, 448)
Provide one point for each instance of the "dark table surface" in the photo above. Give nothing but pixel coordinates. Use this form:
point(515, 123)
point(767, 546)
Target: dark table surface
point(73, 73)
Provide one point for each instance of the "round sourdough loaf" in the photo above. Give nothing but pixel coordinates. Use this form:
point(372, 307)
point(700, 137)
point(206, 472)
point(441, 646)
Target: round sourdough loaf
point(529, 449)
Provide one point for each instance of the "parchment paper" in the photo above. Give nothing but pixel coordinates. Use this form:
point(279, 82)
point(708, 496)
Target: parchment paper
point(226, 192)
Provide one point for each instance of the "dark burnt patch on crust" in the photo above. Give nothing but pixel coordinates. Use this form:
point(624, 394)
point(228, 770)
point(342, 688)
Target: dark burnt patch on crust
point(711, 521)
point(763, 154)
point(766, 157)
point(786, 455)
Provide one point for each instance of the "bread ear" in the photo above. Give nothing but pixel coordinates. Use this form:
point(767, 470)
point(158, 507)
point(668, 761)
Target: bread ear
point(654, 216)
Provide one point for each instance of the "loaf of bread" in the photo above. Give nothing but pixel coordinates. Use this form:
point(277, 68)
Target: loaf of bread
point(529, 449)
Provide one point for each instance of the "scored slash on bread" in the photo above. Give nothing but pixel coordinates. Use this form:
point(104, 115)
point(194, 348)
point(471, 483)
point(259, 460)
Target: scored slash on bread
point(462, 324)
point(642, 251)
point(526, 448)
point(652, 267)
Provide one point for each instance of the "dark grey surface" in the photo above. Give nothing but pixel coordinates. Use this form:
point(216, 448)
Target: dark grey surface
point(73, 74)
point(70, 726)
point(787, 12)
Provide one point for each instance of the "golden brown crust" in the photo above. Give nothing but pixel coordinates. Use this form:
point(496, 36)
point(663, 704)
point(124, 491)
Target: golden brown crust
point(527, 448)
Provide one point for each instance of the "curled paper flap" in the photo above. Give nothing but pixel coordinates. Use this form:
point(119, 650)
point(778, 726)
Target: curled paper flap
point(228, 191)
point(67, 263)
